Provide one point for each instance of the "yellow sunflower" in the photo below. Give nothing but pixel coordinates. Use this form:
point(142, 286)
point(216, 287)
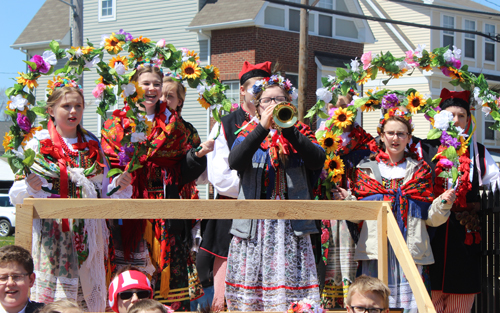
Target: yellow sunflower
point(463, 146)
point(118, 59)
point(456, 74)
point(215, 70)
point(342, 118)
point(6, 141)
point(190, 70)
point(101, 80)
point(140, 38)
point(30, 135)
point(87, 50)
point(112, 44)
point(30, 83)
point(428, 67)
point(368, 106)
point(415, 102)
point(334, 165)
point(330, 142)
point(204, 103)
point(366, 78)
point(192, 54)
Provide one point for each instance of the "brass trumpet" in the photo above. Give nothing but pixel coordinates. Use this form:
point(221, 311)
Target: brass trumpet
point(285, 115)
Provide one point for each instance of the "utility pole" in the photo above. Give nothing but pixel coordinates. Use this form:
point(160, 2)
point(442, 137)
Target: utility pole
point(304, 32)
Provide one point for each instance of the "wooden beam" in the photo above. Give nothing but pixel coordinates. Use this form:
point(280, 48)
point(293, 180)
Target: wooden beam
point(406, 261)
point(383, 265)
point(221, 209)
point(24, 225)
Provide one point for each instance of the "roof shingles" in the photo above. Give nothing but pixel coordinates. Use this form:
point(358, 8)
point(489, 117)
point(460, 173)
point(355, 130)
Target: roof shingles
point(224, 11)
point(49, 23)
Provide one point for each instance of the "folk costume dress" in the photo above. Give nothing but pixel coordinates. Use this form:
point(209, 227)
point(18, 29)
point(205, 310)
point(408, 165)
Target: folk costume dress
point(338, 249)
point(457, 243)
point(271, 262)
point(408, 185)
point(169, 170)
point(69, 254)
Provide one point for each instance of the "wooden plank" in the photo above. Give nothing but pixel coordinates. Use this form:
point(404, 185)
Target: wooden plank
point(205, 209)
point(405, 259)
point(382, 263)
point(24, 224)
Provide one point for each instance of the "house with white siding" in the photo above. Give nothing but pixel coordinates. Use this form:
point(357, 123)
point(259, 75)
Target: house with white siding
point(479, 53)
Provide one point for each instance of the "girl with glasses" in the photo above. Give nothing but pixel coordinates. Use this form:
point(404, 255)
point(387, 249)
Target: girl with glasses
point(271, 262)
point(402, 177)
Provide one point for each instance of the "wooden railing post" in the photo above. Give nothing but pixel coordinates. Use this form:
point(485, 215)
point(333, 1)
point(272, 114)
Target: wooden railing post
point(407, 263)
point(382, 244)
point(24, 225)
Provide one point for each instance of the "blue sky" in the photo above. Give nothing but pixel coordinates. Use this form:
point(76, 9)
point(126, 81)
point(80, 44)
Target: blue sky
point(20, 13)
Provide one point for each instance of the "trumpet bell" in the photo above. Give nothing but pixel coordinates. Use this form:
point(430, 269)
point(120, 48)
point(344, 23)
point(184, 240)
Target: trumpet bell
point(285, 115)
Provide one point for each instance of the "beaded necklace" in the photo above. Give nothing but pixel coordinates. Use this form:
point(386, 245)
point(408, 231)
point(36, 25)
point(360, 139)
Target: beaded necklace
point(68, 151)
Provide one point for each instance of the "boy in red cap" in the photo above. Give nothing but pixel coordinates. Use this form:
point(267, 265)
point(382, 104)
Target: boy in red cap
point(216, 238)
point(128, 287)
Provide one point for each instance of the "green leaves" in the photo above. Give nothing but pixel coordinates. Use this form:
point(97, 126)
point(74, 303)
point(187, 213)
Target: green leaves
point(450, 153)
point(54, 46)
point(29, 157)
point(32, 65)
point(434, 133)
point(113, 172)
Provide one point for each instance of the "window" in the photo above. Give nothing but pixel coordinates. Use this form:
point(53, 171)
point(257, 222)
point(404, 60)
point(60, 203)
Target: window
point(288, 18)
point(489, 134)
point(324, 25)
point(489, 44)
point(327, 4)
point(107, 10)
point(448, 36)
point(274, 16)
point(233, 93)
point(470, 40)
point(345, 28)
point(294, 21)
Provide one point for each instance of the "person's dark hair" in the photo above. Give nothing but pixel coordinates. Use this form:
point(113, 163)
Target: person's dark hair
point(148, 69)
point(455, 102)
point(17, 254)
point(147, 305)
point(381, 145)
point(61, 306)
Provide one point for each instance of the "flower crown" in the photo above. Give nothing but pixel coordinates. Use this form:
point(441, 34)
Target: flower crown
point(395, 112)
point(147, 63)
point(279, 80)
point(59, 82)
point(174, 76)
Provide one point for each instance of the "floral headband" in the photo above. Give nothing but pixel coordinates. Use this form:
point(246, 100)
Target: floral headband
point(395, 112)
point(174, 76)
point(278, 80)
point(59, 82)
point(148, 63)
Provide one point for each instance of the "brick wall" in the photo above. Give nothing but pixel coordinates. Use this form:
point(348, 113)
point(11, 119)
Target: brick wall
point(231, 47)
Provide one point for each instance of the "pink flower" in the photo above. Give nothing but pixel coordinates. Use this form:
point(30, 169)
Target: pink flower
point(331, 112)
point(98, 90)
point(42, 66)
point(325, 235)
point(446, 163)
point(409, 58)
point(366, 59)
point(445, 71)
point(161, 43)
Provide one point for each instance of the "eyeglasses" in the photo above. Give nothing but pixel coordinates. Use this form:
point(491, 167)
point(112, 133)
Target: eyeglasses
point(141, 294)
point(360, 309)
point(400, 135)
point(267, 100)
point(16, 278)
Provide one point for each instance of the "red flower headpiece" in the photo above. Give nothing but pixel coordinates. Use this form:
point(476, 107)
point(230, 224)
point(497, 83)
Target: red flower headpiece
point(394, 112)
